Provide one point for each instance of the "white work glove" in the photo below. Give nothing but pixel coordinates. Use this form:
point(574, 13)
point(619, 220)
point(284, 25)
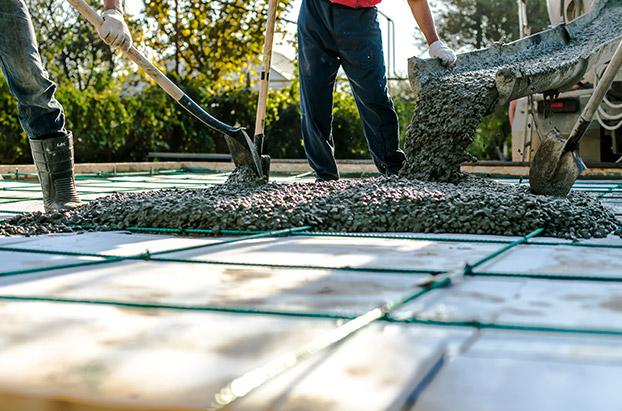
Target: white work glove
point(439, 50)
point(114, 31)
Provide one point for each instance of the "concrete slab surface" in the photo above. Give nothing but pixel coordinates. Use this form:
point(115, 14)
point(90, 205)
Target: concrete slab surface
point(153, 325)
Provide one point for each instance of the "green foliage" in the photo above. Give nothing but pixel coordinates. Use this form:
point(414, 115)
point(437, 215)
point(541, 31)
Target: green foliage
point(493, 138)
point(70, 46)
point(13, 141)
point(110, 127)
point(404, 101)
point(347, 129)
point(209, 40)
point(283, 130)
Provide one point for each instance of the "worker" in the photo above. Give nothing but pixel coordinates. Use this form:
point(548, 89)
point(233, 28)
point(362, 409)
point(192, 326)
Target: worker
point(346, 33)
point(40, 114)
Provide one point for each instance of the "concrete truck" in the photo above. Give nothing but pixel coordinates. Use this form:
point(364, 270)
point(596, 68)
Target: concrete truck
point(603, 143)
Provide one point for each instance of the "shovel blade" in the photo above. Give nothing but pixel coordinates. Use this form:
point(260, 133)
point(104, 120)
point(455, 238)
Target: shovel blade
point(554, 171)
point(244, 154)
point(265, 165)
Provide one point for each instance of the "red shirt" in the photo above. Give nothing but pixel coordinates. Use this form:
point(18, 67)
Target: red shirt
point(355, 4)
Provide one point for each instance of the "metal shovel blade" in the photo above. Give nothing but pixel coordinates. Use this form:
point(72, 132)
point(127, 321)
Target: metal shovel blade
point(265, 165)
point(244, 153)
point(554, 170)
point(557, 165)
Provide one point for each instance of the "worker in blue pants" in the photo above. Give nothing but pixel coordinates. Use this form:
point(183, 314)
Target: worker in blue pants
point(346, 33)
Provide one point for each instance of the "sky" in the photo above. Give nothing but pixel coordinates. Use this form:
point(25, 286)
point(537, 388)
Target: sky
point(398, 10)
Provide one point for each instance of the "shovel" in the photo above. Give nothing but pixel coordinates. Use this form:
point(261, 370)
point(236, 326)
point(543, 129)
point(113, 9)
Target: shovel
point(243, 151)
point(557, 164)
point(264, 85)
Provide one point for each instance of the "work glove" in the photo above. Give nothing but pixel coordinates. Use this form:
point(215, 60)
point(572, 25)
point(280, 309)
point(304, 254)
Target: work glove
point(114, 31)
point(439, 50)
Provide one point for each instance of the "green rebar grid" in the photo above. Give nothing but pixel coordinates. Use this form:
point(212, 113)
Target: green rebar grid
point(304, 231)
point(469, 271)
point(384, 313)
point(438, 279)
point(107, 259)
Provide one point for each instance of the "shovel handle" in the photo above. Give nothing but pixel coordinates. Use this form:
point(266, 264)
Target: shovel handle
point(264, 85)
point(156, 75)
point(596, 99)
point(133, 54)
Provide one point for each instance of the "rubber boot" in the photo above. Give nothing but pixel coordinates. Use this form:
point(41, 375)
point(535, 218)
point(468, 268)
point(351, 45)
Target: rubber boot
point(54, 161)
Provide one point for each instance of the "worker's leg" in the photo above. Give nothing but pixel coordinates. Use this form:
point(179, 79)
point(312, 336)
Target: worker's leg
point(318, 65)
point(360, 47)
point(40, 114)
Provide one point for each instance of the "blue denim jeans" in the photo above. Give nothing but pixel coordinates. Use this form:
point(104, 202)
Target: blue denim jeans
point(332, 36)
point(40, 114)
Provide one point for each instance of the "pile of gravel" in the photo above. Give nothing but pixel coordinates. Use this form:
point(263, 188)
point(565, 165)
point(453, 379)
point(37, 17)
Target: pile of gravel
point(451, 105)
point(382, 204)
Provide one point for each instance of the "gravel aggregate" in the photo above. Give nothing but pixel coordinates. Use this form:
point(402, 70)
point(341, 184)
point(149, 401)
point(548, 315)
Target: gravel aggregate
point(381, 204)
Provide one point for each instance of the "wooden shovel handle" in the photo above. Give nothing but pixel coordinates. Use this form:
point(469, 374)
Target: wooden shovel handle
point(260, 123)
point(596, 99)
point(167, 85)
point(133, 54)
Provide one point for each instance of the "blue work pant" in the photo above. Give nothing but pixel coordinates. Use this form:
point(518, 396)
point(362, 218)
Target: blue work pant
point(40, 114)
point(330, 36)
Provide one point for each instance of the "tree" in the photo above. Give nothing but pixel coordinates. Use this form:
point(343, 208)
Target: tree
point(210, 40)
point(69, 45)
point(479, 23)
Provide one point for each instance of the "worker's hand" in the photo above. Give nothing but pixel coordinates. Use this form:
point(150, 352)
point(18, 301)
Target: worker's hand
point(114, 31)
point(439, 50)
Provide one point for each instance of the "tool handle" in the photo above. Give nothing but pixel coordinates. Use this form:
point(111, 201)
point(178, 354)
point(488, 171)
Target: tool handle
point(599, 94)
point(133, 54)
point(154, 73)
point(264, 85)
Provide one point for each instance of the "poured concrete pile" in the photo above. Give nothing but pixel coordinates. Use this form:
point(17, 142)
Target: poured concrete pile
point(444, 124)
point(452, 102)
point(368, 205)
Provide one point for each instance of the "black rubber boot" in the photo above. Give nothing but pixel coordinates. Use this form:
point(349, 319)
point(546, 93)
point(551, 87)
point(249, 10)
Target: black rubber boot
point(54, 160)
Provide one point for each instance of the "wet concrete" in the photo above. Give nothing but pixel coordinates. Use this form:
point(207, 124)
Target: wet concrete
point(245, 175)
point(382, 204)
point(444, 124)
point(452, 102)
